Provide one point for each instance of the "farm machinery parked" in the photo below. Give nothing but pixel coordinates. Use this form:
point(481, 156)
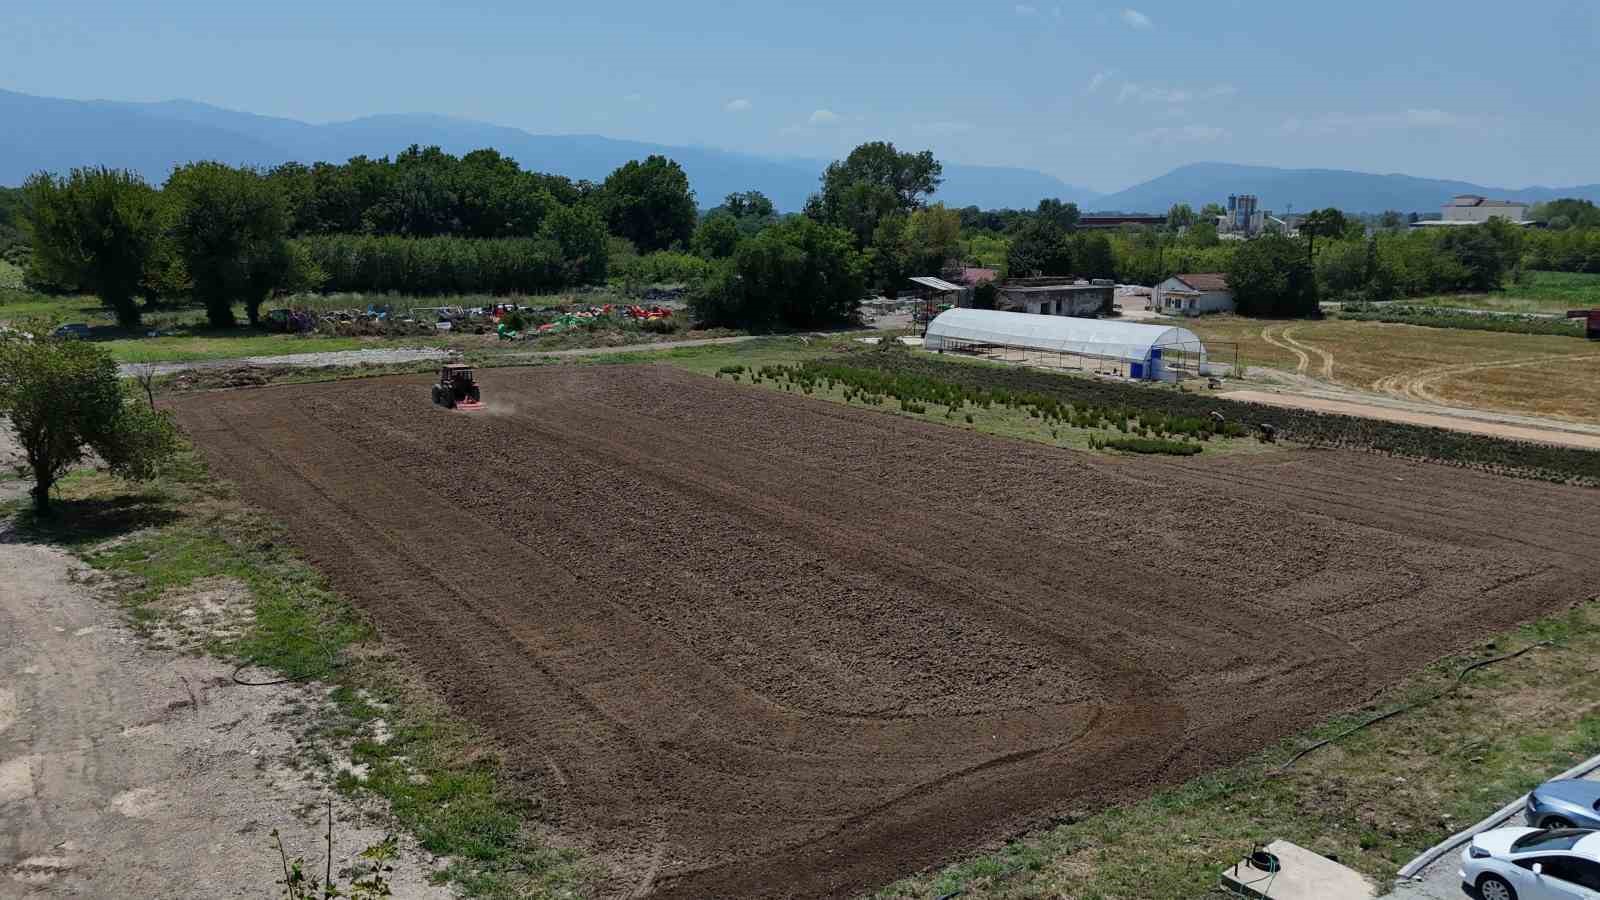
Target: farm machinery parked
point(457, 389)
point(1591, 319)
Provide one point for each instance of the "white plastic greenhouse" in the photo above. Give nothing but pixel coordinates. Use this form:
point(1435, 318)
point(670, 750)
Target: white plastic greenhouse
point(1133, 349)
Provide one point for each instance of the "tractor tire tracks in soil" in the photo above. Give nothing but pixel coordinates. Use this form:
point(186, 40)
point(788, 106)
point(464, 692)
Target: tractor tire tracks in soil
point(745, 643)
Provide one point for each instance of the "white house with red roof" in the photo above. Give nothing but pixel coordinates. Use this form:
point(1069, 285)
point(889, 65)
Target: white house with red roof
point(1193, 294)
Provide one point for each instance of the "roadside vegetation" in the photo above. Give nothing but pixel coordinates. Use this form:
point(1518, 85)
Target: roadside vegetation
point(1538, 461)
point(1372, 800)
point(1445, 317)
point(431, 771)
point(1534, 292)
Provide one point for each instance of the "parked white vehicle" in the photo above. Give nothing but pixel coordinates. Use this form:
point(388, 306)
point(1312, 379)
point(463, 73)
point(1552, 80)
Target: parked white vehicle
point(1532, 864)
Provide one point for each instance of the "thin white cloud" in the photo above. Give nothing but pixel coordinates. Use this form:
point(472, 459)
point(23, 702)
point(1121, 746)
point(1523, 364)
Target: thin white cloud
point(1098, 80)
point(1148, 93)
point(634, 98)
point(739, 105)
point(1136, 19)
point(1182, 134)
point(823, 117)
point(1366, 123)
point(1024, 9)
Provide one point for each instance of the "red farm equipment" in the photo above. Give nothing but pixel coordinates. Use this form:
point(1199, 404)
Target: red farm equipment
point(1593, 318)
point(456, 388)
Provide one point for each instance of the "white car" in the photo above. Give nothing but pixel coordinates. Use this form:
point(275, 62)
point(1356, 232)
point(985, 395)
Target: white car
point(1532, 864)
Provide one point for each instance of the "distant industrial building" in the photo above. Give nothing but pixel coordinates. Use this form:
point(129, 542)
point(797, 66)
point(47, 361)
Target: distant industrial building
point(1471, 209)
point(1193, 294)
point(1100, 222)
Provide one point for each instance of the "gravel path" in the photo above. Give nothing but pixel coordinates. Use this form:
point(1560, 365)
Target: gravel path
point(292, 360)
point(1472, 421)
point(128, 771)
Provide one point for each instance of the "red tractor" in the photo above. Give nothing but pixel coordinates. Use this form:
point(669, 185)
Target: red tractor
point(456, 389)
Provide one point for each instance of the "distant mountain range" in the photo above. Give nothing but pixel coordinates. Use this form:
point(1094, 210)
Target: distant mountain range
point(49, 134)
point(56, 135)
point(1309, 189)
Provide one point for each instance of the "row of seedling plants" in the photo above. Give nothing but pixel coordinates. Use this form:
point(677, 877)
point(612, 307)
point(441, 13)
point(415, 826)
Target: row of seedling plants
point(917, 393)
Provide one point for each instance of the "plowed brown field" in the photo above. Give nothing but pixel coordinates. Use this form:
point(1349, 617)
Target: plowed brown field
point(761, 645)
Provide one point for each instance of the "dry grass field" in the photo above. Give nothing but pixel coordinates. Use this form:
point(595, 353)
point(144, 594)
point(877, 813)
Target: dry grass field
point(1539, 375)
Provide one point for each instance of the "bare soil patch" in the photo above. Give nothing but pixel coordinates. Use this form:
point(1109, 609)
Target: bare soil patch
point(771, 646)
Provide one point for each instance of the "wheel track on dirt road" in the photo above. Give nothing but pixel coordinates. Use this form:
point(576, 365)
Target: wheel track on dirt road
point(1302, 359)
point(1418, 384)
point(1323, 355)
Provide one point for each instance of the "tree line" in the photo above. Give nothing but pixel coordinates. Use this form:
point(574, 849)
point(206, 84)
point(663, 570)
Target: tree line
point(429, 222)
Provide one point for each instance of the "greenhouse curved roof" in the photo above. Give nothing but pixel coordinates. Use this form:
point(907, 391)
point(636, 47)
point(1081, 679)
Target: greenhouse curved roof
point(1108, 338)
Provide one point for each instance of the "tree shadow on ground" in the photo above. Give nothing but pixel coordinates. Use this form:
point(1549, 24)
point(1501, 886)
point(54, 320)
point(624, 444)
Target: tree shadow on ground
point(75, 523)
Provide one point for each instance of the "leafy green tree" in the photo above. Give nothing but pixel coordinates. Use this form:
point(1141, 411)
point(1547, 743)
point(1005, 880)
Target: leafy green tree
point(584, 244)
point(1092, 256)
point(1039, 248)
point(1567, 212)
point(1391, 220)
point(872, 182)
point(650, 204)
point(893, 256)
point(1326, 223)
point(1488, 252)
point(1211, 211)
point(1269, 277)
point(1064, 216)
point(1181, 215)
point(63, 399)
point(798, 273)
point(1202, 234)
point(717, 236)
point(936, 236)
point(749, 205)
point(421, 199)
point(94, 229)
point(230, 227)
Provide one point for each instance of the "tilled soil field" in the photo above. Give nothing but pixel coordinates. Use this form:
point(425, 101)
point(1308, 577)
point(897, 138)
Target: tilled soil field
point(752, 644)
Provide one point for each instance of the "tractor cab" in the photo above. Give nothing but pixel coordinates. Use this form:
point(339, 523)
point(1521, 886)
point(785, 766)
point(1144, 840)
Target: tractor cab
point(456, 388)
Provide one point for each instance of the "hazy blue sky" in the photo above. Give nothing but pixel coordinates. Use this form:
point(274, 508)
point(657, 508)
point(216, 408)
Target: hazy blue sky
point(1103, 95)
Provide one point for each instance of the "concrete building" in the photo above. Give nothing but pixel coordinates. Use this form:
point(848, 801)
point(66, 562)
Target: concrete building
point(1193, 294)
point(1471, 209)
point(1057, 296)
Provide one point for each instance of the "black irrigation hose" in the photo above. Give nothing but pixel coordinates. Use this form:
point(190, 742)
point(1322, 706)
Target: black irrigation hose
point(1306, 751)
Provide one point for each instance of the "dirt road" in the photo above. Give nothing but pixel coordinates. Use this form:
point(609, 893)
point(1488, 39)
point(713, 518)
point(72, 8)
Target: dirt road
point(771, 646)
point(128, 772)
point(1517, 428)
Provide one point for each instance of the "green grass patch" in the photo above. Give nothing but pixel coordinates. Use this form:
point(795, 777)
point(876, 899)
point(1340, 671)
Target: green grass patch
point(161, 539)
point(1374, 800)
point(10, 276)
point(1158, 446)
point(1537, 292)
point(1445, 317)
